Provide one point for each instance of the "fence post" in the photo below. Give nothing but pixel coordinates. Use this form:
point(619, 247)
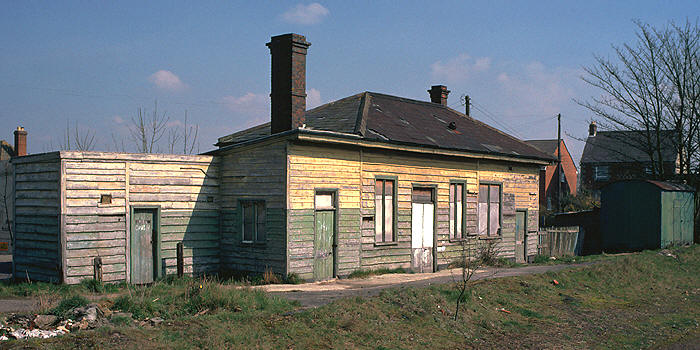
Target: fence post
point(180, 260)
point(97, 265)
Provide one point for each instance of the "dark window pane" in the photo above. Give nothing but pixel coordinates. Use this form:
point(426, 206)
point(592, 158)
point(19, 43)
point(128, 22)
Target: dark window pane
point(248, 220)
point(260, 211)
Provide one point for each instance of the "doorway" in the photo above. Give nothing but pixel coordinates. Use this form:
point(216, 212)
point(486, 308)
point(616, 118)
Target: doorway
point(324, 235)
point(422, 229)
point(520, 235)
point(144, 248)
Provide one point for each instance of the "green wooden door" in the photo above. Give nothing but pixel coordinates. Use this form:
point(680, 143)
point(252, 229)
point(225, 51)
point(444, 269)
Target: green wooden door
point(520, 236)
point(142, 234)
point(323, 244)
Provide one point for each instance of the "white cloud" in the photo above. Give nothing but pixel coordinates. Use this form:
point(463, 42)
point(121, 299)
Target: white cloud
point(166, 80)
point(118, 120)
point(460, 68)
point(313, 98)
point(306, 14)
point(251, 108)
point(537, 89)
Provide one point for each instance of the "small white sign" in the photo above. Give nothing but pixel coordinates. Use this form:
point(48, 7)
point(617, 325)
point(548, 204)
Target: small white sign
point(441, 249)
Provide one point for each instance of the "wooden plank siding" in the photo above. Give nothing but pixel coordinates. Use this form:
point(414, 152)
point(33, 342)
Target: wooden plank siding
point(37, 226)
point(184, 187)
point(314, 168)
point(353, 171)
point(254, 173)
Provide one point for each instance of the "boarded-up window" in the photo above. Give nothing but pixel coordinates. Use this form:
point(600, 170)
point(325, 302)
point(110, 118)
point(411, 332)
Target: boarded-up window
point(489, 209)
point(456, 210)
point(384, 210)
point(253, 221)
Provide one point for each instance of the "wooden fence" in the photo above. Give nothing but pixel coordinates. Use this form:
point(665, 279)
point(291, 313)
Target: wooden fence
point(557, 241)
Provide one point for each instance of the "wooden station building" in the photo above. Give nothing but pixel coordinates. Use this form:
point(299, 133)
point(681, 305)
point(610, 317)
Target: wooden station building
point(368, 181)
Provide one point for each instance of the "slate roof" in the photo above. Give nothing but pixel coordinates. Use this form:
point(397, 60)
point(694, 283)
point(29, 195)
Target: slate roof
point(375, 116)
point(624, 147)
point(546, 146)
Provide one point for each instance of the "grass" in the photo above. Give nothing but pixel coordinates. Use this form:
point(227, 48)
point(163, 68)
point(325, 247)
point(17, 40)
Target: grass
point(368, 273)
point(635, 301)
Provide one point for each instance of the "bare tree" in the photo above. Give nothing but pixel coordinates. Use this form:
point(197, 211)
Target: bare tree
point(652, 89)
point(473, 254)
point(146, 131)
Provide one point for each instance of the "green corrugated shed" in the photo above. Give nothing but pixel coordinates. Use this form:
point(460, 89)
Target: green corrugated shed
point(644, 214)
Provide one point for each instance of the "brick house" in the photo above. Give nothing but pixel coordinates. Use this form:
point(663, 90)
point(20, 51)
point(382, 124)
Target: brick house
point(552, 174)
point(620, 155)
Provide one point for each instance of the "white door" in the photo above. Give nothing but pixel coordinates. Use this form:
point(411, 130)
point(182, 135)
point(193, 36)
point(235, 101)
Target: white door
point(422, 232)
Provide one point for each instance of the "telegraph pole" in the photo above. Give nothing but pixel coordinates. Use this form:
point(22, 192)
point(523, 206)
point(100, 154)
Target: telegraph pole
point(559, 162)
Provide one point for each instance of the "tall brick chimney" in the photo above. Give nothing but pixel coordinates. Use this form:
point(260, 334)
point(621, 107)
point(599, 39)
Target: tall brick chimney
point(288, 81)
point(20, 142)
point(438, 94)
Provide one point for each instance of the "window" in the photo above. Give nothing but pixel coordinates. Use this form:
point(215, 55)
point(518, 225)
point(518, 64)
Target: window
point(602, 172)
point(253, 221)
point(489, 210)
point(384, 210)
point(456, 210)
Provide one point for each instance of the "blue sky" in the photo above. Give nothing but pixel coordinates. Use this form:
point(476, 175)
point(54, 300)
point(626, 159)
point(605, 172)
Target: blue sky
point(95, 63)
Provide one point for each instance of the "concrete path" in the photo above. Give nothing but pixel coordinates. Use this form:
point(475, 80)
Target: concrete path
point(321, 293)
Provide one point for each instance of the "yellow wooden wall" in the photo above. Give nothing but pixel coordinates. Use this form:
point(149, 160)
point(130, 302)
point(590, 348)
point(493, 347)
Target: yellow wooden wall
point(353, 172)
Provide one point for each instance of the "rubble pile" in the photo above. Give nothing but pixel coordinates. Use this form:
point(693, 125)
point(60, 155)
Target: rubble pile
point(17, 326)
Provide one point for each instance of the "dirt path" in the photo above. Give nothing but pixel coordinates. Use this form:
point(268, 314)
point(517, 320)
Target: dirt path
point(321, 293)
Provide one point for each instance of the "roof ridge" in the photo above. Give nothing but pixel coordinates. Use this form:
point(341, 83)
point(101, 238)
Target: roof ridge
point(410, 100)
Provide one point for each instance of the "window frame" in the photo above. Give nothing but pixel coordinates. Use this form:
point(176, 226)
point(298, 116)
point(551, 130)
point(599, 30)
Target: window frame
point(254, 202)
point(453, 235)
point(499, 233)
point(597, 177)
point(394, 206)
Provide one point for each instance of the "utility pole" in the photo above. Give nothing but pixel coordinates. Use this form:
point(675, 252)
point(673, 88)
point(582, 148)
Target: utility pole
point(559, 162)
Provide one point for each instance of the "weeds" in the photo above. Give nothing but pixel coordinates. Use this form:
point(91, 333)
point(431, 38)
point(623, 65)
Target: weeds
point(67, 304)
point(368, 273)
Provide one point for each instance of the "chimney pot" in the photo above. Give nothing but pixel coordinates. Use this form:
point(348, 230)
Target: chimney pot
point(438, 94)
point(20, 142)
point(288, 95)
point(592, 129)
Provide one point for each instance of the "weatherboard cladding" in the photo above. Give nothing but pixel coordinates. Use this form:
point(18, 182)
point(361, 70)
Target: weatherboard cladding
point(380, 117)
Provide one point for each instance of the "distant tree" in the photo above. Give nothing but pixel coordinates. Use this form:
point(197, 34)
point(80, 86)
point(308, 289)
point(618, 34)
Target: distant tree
point(75, 139)
point(148, 130)
point(653, 85)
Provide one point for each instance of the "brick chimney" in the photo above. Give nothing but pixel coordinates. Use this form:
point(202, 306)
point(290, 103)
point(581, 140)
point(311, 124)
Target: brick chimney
point(438, 94)
point(288, 81)
point(20, 142)
point(592, 129)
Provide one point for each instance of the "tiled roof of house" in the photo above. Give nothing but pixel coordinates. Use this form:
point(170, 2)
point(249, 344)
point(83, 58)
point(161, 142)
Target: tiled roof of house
point(625, 146)
point(381, 117)
point(546, 146)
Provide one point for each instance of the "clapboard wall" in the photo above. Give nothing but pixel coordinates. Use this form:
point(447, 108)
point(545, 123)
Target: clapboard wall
point(314, 168)
point(37, 234)
point(185, 188)
point(352, 171)
point(62, 224)
point(256, 172)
